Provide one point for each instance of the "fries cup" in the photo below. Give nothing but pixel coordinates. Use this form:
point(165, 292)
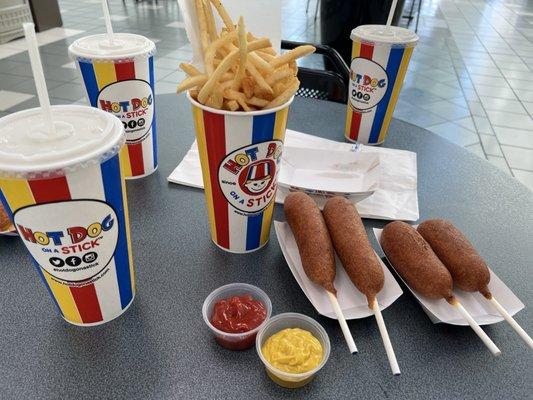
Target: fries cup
point(240, 154)
point(380, 57)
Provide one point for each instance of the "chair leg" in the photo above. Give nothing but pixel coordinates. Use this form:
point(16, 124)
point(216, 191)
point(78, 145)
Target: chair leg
point(316, 9)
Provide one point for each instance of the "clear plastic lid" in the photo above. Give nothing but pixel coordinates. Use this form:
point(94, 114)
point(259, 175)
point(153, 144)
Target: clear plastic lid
point(124, 45)
point(84, 136)
point(393, 35)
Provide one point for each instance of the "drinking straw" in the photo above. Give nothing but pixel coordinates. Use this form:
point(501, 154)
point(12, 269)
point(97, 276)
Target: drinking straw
point(107, 19)
point(391, 12)
point(38, 76)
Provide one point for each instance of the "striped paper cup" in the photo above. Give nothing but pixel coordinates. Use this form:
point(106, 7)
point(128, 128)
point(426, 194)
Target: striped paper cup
point(240, 154)
point(380, 57)
point(119, 79)
point(70, 210)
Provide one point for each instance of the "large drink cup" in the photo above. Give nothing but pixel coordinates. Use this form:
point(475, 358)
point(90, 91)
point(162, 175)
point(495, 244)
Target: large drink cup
point(119, 78)
point(240, 154)
point(66, 197)
point(380, 57)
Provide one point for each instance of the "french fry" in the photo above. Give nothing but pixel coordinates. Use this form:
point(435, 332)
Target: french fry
point(190, 69)
point(243, 54)
point(289, 56)
point(194, 93)
point(258, 77)
point(192, 82)
point(257, 102)
point(286, 94)
point(237, 96)
point(211, 26)
point(223, 67)
point(269, 51)
point(248, 85)
point(231, 105)
point(279, 75)
point(223, 15)
point(202, 25)
point(265, 56)
point(213, 49)
point(260, 63)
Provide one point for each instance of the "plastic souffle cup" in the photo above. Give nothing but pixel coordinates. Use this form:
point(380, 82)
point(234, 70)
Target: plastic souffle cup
point(380, 57)
point(66, 197)
point(292, 320)
point(119, 78)
point(235, 341)
point(240, 156)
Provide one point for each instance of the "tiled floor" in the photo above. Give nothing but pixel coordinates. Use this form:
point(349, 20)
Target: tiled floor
point(470, 79)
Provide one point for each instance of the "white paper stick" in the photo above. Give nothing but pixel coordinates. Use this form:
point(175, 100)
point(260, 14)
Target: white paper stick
point(391, 12)
point(342, 322)
point(473, 324)
point(107, 20)
point(518, 329)
point(386, 340)
point(38, 76)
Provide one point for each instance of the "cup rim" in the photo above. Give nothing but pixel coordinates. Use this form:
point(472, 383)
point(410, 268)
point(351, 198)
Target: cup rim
point(236, 285)
point(240, 113)
point(301, 375)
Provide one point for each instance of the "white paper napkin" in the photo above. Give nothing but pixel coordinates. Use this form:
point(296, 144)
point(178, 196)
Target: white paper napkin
point(395, 197)
point(261, 17)
point(353, 303)
point(439, 311)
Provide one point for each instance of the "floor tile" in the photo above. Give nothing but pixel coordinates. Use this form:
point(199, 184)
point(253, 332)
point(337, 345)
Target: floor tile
point(509, 120)
point(499, 92)
point(525, 177)
point(518, 157)
point(165, 87)
point(500, 163)
point(529, 107)
point(9, 99)
point(514, 137)
point(524, 95)
point(176, 24)
point(496, 104)
point(28, 86)
point(476, 149)
point(447, 110)
point(476, 109)
point(8, 81)
point(490, 145)
point(483, 125)
point(466, 123)
point(455, 133)
point(68, 91)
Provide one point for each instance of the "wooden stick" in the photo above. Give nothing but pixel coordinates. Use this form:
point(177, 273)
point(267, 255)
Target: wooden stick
point(386, 340)
point(342, 322)
point(518, 329)
point(474, 325)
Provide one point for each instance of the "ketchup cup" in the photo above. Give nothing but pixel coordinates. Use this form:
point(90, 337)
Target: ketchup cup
point(292, 320)
point(235, 341)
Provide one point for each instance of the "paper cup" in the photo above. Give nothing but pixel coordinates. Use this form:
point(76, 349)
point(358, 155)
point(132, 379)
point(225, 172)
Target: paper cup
point(67, 200)
point(240, 154)
point(380, 57)
point(119, 79)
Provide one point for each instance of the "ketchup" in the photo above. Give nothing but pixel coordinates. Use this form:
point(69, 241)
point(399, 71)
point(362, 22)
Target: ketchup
point(238, 314)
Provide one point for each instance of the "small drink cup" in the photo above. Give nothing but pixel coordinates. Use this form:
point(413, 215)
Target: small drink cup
point(292, 320)
point(119, 78)
point(235, 341)
point(380, 57)
point(66, 197)
point(240, 154)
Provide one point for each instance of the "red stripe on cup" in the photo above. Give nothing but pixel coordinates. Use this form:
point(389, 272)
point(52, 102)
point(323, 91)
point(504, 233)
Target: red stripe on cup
point(135, 151)
point(215, 139)
point(86, 300)
point(366, 51)
point(53, 190)
point(356, 123)
point(125, 70)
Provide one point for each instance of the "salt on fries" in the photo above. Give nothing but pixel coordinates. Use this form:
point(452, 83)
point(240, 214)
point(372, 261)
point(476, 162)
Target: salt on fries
point(242, 72)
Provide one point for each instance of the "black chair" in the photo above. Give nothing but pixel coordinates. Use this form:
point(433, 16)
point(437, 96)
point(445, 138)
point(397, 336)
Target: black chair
point(321, 84)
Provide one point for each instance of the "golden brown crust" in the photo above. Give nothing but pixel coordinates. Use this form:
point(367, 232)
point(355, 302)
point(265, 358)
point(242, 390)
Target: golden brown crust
point(468, 269)
point(353, 248)
point(312, 237)
point(414, 260)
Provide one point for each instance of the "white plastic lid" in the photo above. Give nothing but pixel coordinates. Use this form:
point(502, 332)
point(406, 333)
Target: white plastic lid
point(385, 34)
point(85, 136)
point(125, 45)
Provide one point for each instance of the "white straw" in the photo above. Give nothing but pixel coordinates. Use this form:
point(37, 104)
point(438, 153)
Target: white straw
point(38, 76)
point(482, 335)
point(518, 329)
point(391, 12)
point(342, 322)
point(386, 340)
point(107, 19)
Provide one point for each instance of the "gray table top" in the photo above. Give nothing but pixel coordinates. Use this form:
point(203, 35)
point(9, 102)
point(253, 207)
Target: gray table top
point(160, 348)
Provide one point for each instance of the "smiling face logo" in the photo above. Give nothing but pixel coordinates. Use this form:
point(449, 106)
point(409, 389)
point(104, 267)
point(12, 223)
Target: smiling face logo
point(258, 177)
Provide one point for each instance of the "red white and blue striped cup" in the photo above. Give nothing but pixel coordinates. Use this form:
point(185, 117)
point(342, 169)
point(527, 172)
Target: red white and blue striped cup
point(119, 79)
point(240, 154)
point(380, 57)
point(67, 199)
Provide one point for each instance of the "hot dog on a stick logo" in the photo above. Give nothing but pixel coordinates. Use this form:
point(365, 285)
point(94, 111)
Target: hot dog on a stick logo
point(132, 102)
point(368, 83)
point(248, 176)
point(71, 240)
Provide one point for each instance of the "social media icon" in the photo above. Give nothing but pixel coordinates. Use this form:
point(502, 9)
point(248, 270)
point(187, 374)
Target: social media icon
point(56, 262)
point(90, 257)
point(73, 261)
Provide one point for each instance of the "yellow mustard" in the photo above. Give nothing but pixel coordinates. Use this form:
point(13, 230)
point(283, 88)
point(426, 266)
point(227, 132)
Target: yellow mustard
point(293, 350)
